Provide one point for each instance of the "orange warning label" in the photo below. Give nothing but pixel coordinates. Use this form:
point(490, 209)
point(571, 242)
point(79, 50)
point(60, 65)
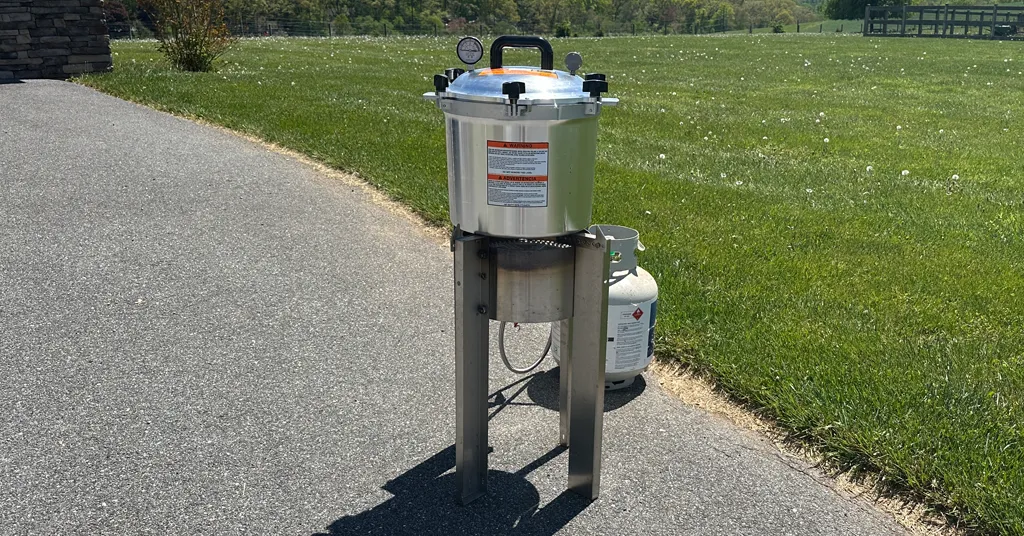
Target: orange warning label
point(527, 72)
point(517, 173)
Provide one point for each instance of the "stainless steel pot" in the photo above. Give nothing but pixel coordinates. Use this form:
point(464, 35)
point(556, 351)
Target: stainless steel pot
point(521, 144)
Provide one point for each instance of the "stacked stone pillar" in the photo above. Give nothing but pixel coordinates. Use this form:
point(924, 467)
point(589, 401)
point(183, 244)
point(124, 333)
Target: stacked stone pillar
point(52, 38)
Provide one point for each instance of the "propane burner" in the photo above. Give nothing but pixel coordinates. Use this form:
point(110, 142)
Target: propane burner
point(533, 280)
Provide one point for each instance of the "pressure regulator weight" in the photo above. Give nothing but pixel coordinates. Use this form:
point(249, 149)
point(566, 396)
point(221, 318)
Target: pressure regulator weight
point(470, 50)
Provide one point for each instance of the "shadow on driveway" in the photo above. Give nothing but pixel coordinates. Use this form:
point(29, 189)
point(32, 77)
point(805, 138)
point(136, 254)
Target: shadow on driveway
point(424, 497)
point(424, 504)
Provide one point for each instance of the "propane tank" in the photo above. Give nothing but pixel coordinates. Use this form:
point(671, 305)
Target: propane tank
point(632, 310)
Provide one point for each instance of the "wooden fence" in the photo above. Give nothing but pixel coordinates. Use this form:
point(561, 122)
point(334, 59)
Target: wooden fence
point(980, 22)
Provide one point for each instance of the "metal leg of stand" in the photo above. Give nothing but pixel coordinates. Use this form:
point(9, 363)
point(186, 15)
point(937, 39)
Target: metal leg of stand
point(565, 367)
point(471, 340)
point(589, 331)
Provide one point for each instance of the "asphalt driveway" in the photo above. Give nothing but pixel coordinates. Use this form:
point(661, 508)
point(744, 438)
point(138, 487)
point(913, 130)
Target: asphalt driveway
point(198, 336)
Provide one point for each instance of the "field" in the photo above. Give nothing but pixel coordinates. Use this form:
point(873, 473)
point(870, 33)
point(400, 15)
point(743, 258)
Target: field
point(835, 222)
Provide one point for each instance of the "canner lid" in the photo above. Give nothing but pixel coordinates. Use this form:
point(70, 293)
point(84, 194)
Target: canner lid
point(541, 85)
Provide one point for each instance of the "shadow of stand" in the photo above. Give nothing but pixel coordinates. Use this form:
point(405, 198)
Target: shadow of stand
point(424, 504)
point(424, 496)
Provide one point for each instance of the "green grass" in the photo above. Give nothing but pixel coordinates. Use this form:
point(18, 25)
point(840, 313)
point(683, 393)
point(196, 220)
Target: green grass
point(878, 315)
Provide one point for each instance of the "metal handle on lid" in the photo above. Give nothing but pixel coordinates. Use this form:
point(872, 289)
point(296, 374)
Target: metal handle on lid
point(547, 56)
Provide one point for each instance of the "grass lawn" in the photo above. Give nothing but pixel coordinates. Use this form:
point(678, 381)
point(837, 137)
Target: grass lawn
point(836, 223)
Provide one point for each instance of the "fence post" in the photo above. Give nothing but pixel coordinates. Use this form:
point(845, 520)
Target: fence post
point(841, 28)
point(435, 29)
point(992, 32)
point(945, 20)
point(903, 25)
point(633, 24)
point(920, 21)
point(797, 26)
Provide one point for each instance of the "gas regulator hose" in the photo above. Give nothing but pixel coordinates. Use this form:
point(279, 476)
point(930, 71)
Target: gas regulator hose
point(504, 357)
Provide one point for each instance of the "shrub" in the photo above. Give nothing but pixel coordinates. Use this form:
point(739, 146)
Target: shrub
point(777, 28)
point(192, 33)
point(564, 29)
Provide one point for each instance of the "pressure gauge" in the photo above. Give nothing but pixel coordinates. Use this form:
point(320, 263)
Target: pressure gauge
point(573, 62)
point(470, 50)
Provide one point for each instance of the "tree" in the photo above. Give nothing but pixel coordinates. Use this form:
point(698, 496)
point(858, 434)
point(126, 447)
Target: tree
point(852, 9)
point(115, 11)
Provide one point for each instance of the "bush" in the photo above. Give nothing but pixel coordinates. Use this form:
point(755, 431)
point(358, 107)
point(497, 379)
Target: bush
point(564, 29)
point(777, 28)
point(192, 33)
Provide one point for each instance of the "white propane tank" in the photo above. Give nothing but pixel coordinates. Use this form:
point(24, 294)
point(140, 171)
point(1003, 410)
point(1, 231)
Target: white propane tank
point(632, 310)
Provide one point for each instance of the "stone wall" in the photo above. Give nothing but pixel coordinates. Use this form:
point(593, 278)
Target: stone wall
point(52, 38)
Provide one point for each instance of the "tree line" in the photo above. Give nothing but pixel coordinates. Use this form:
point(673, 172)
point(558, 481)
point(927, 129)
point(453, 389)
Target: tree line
point(545, 17)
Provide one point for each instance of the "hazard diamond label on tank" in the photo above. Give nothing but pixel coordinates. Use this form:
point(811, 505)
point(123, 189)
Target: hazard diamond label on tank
point(638, 313)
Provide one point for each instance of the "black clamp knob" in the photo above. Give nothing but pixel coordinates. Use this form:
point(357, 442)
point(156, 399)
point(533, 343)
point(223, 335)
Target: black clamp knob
point(594, 76)
point(440, 82)
point(454, 73)
point(595, 87)
point(514, 89)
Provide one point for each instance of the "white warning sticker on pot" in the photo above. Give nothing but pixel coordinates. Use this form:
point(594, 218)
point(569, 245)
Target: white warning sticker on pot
point(517, 174)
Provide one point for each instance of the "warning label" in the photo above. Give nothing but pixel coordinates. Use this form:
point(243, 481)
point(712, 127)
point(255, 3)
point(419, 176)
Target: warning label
point(517, 174)
point(628, 350)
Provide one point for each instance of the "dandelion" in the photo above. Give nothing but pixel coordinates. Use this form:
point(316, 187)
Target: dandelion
point(724, 175)
point(870, 169)
point(765, 138)
point(905, 172)
point(821, 114)
point(662, 110)
point(705, 138)
point(809, 190)
point(739, 183)
point(648, 212)
point(942, 131)
point(956, 177)
point(826, 140)
point(661, 156)
point(899, 128)
point(817, 121)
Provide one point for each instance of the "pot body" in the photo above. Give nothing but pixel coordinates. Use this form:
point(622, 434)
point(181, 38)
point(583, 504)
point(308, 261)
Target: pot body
point(528, 173)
